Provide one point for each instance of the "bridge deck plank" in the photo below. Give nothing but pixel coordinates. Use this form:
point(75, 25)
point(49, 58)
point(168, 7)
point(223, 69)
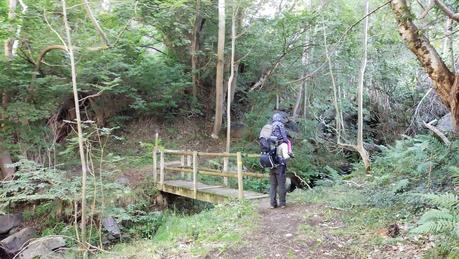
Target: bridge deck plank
point(206, 192)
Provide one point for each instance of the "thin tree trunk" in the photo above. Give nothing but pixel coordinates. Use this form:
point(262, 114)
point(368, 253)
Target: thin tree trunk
point(78, 121)
point(219, 75)
point(299, 98)
point(230, 86)
point(361, 148)
point(449, 44)
point(335, 91)
point(195, 48)
point(7, 172)
point(95, 22)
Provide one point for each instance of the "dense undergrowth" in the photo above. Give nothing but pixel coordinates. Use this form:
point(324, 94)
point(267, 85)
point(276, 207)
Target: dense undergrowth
point(419, 176)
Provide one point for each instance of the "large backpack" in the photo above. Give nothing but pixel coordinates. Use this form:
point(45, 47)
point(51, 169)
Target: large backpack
point(267, 147)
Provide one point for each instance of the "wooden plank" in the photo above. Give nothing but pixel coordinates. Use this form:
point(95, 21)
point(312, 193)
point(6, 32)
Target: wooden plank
point(210, 187)
point(182, 164)
point(225, 169)
point(195, 173)
point(161, 168)
point(214, 172)
point(188, 164)
point(214, 195)
point(177, 152)
point(257, 175)
point(258, 197)
point(217, 154)
point(240, 183)
point(155, 164)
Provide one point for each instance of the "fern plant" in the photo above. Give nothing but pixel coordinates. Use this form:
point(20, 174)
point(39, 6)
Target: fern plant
point(444, 219)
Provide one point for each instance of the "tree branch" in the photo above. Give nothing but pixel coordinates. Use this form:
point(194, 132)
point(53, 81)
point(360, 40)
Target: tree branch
point(95, 22)
point(447, 11)
point(437, 132)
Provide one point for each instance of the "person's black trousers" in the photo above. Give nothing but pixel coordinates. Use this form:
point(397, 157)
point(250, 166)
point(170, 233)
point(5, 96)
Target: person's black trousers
point(277, 180)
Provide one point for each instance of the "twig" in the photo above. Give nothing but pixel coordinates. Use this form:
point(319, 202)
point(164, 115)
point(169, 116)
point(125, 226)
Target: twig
point(302, 180)
point(437, 132)
point(447, 11)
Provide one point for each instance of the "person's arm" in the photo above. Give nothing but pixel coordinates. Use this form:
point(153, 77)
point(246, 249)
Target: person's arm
point(283, 133)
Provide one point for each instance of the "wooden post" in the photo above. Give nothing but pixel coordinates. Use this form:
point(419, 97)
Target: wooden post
point(225, 169)
point(195, 173)
point(182, 164)
point(155, 156)
point(188, 164)
point(155, 165)
point(240, 184)
point(161, 169)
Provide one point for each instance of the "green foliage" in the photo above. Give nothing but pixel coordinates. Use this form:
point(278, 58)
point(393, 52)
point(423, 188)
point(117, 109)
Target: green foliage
point(37, 183)
point(207, 231)
point(442, 220)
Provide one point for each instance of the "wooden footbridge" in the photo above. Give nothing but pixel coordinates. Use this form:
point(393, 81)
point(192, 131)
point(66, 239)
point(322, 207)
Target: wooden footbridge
point(182, 177)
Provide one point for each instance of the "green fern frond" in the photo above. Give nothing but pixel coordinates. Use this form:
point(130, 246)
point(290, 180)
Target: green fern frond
point(435, 215)
point(444, 200)
point(435, 227)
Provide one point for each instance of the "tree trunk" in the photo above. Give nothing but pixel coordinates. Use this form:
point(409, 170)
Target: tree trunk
point(5, 156)
point(78, 121)
point(219, 75)
point(363, 153)
point(299, 98)
point(194, 49)
point(443, 79)
point(335, 91)
point(230, 87)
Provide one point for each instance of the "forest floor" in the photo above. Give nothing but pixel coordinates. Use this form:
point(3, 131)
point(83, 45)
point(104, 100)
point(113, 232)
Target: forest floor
point(317, 228)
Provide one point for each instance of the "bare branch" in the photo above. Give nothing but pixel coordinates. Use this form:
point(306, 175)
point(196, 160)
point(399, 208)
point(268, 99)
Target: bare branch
point(95, 22)
point(447, 11)
point(437, 132)
point(427, 10)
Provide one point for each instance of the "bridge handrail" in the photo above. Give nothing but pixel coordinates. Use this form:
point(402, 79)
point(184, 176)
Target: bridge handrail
point(193, 167)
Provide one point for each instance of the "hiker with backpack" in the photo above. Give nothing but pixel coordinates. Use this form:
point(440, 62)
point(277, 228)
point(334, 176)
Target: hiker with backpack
point(276, 147)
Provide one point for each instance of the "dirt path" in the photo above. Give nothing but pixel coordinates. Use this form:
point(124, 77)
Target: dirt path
point(286, 233)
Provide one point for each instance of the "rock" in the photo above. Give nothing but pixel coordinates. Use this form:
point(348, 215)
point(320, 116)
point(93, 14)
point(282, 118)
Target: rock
point(13, 244)
point(7, 222)
point(111, 226)
point(238, 130)
point(122, 180)
point(43, 248)
point(444, 124)
point(288, 235)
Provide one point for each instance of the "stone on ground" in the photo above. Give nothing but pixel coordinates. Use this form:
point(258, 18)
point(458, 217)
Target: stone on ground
point(14, 243)
point(43, 248)
point(7, 222)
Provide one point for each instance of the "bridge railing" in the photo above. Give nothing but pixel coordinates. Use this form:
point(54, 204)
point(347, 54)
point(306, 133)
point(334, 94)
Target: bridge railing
point(189, 164)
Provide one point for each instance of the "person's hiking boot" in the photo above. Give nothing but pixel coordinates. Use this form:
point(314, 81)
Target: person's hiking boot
point(282, 206)
point(273, 206)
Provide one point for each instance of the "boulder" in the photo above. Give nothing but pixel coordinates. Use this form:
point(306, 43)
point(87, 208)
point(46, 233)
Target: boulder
point(122, 180)
point(43, 248)
point(14, 243)
point(8, 222)
point(238, 130)
point(444, 124)
point(111, 226)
